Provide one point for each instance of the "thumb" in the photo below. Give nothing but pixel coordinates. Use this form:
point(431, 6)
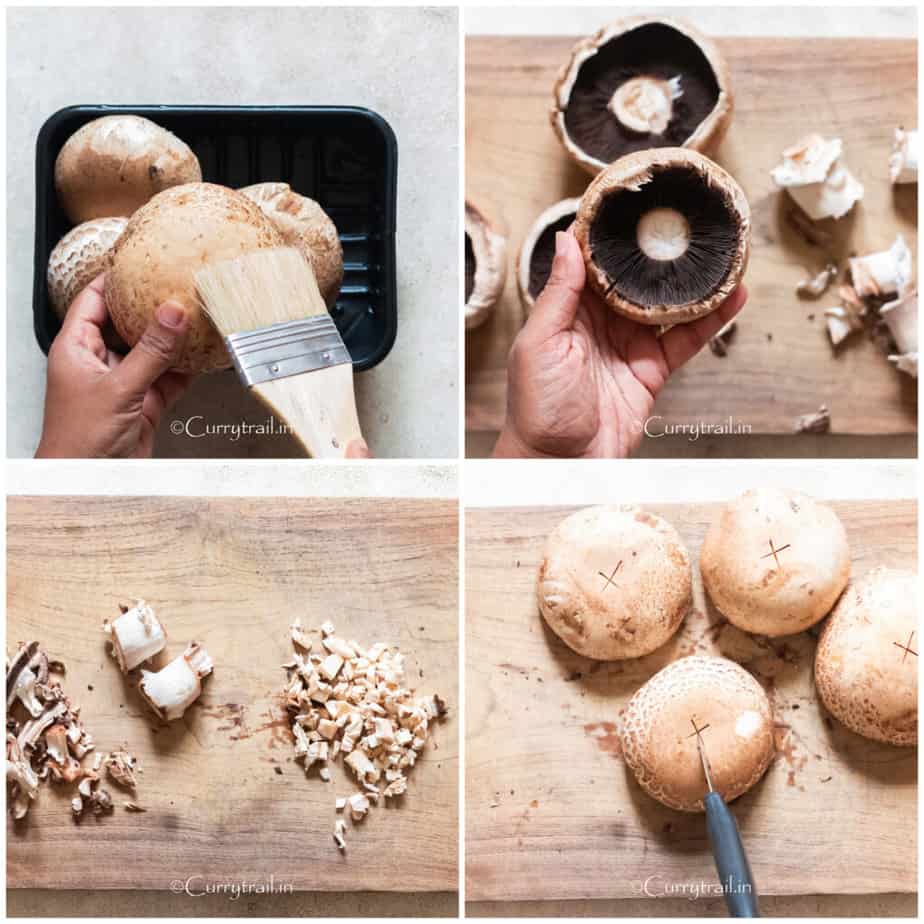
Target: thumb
point(156, 352)
point(558, 302)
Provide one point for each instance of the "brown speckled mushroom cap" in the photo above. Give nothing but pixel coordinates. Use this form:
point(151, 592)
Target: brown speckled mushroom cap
point(615, 582)
point(304, 225)
point(665, 235)
point(485, 265)
point(777, 589)
point(113, 165)
point(534, 261)
point(641, 53)
point(865, 674)
point(78, 258)
point(659, 739)
point(165, 241)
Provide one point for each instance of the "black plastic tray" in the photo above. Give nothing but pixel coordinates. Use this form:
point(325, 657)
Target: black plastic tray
point(343, 157)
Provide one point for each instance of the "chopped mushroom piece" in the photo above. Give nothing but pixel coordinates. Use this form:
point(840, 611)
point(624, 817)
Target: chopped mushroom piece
point(813, 174)
point(901, 317)
point(841, 323)
point(359, 806)
point(133, 807)
point(817, 285)
point(171, 690)
point(882, 273)
point(719, 343)
point(903, 161)
point(818, 422)
point(136, 635)
point(120, 765)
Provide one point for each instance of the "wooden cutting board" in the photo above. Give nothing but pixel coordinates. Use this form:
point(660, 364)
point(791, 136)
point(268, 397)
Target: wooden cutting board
point(225, 800)
point(780, 364)
point(552, 812)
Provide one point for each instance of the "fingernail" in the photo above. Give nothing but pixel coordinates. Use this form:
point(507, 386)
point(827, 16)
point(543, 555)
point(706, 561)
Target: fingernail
point(560, 237)
point(171, 314)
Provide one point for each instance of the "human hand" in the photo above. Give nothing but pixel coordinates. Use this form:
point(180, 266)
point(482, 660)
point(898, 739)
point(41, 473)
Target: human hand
point(99, 404)
point(581, 379)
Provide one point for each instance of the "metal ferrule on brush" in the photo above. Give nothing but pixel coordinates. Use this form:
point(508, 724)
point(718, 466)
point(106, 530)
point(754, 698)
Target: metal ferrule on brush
point(286, 349)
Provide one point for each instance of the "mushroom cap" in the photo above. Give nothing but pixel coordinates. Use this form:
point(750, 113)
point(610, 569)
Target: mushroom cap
point(78, 258)
point(863, 674)
point(705, 136)
point(113, 165)
point(304, 225)
point(485, 265)
point(615, 582)
point(537, 251)
point(162, 246)
point(740, 570)
point(645, 173)
point(735, 718)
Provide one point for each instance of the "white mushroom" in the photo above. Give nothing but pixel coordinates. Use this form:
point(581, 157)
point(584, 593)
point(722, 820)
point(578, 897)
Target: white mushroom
point(137, 635)
point(903, 161)
point(813, 174)
point(901, 317)
point(171, 690)
point(884, 272)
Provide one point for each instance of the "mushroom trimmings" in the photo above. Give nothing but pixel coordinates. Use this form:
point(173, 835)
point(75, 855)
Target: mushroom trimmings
point(350, 701)
point(665, 235)
point(814, 175)
point(637, 84)
point(45, 737)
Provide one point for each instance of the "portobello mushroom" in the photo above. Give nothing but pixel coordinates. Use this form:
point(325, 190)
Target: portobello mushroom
point(641, 83)
point(665, 235)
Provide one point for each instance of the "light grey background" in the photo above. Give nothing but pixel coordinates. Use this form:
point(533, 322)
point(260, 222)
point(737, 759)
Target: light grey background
point(402, 63)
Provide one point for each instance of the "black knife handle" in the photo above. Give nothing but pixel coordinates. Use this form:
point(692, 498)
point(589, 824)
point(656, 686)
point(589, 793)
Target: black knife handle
point(730, 859)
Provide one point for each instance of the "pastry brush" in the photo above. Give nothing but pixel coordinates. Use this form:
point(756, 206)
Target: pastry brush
point(284, 344)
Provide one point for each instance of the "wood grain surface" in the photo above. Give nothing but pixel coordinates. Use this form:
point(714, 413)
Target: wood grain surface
point(780, 364)
point(225, 800)
point(552, 811)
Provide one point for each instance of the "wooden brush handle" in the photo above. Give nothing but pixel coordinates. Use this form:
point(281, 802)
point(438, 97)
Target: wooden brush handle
point(318, 407)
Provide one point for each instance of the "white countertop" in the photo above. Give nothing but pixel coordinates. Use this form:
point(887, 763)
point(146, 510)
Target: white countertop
point(402, 63)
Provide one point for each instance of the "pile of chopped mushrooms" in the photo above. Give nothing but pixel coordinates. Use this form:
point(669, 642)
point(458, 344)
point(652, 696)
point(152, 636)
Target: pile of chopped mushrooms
point(346, 700)
point(46, 740)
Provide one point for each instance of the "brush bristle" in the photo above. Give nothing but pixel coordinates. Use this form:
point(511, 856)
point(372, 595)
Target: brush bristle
point(259, 289)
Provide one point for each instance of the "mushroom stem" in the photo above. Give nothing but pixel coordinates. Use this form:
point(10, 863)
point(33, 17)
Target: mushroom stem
point(903, 161)
point(883, 272)
point(645, 104)
point(663, 234)
point(816, 178)
point(136, 636)
point(171, 690)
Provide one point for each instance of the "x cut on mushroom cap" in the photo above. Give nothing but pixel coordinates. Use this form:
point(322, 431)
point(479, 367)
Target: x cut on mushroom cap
point(774, 562)
point(866, 663)
point(715, 699)
point(615, 582)
point(665, 235)
point(637, 84)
